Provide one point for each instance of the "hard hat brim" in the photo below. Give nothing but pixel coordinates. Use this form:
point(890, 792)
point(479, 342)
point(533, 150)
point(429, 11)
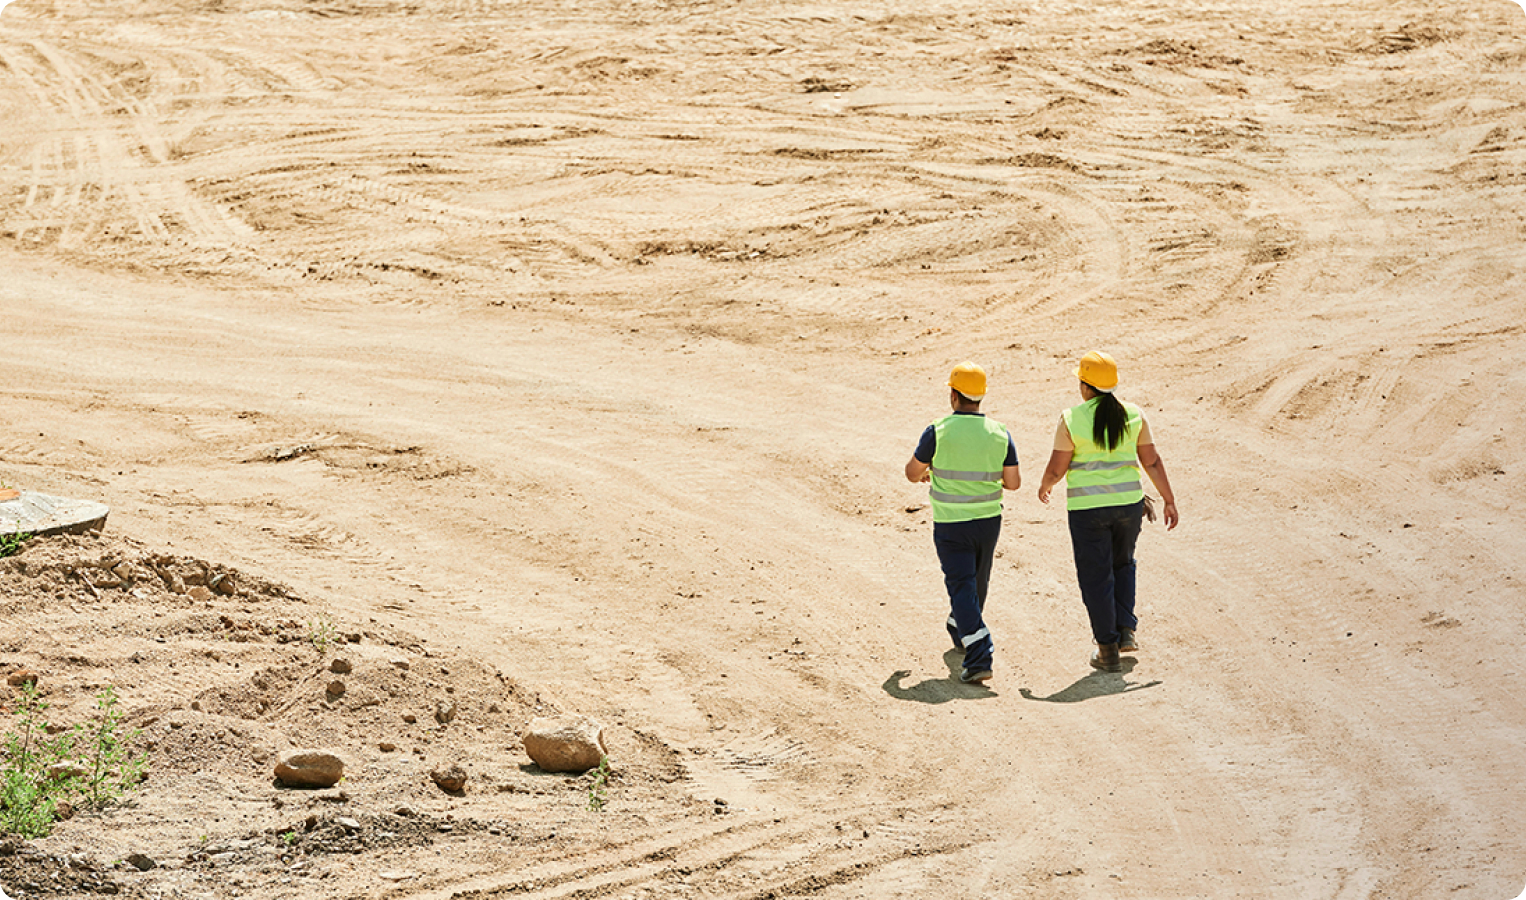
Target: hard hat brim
point(1105, 390)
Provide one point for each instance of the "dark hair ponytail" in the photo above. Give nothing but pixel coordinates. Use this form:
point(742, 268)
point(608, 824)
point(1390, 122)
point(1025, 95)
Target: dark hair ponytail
point(1110, 422)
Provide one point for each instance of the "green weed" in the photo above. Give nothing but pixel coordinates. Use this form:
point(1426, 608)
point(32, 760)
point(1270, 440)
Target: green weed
point(322, 633)
point(598, 787)
point(10, 544)
point(88, 766)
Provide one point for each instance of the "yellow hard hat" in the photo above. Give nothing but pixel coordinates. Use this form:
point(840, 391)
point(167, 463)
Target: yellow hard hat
point(969, 380)
point(1098, 370)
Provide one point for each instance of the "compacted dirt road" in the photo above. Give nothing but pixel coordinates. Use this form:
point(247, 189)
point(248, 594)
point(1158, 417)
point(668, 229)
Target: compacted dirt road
point(582, 344)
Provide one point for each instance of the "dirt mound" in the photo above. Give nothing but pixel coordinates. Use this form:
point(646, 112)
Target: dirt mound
point(219, 672)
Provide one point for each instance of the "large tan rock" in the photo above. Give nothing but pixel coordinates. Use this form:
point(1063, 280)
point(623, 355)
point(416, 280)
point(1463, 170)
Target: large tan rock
point(565, 743)
point(309, 769)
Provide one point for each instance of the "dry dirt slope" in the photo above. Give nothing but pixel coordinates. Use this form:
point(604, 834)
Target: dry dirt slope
point(593, 338)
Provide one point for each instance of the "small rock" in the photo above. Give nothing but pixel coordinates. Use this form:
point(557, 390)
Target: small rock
point(199, 594)
point(386, 746)
point(405, 811)
point(21, 677)
point(347, 824)
point(400, 663)
point(223, 584)
point(410, 718)
point(340, 666)
point(451, 779)
point(565, 743)
point(141, 862)
point(310, 769)
point(336, 688)
point(445, 711)
point(64, 811)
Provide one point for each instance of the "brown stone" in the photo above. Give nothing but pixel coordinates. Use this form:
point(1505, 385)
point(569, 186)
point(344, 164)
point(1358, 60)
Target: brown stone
point(565, 743)
point(21, 677)
point(451, 779)
point(309, 769)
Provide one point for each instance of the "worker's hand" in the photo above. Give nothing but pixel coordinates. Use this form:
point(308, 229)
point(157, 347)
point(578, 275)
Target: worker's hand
point(1044, 494)
point(1171, 516)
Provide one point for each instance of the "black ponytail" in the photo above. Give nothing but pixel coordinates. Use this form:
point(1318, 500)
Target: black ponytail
point(1110, 422)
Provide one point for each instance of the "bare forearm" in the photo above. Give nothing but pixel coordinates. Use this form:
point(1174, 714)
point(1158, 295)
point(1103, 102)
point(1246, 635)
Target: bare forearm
point(1157, 472)
point(1059, 464)
point(916, 470)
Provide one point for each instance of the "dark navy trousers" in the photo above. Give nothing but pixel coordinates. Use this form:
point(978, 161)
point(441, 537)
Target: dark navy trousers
point(966, 551)
point(1103, 540)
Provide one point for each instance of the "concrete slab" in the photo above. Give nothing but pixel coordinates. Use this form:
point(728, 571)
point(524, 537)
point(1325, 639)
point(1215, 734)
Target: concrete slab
point(29, 512)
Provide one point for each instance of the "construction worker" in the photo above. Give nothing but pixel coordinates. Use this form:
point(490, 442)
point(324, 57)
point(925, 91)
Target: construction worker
point(1099, 448)
point(969, 459)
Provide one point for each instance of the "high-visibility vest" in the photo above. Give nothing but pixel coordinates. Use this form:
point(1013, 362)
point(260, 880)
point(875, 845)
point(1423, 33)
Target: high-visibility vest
point(966, 468)
point(1098, 476)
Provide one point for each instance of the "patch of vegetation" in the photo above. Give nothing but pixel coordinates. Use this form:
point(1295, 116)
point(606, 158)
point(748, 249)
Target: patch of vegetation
point(598, 787)
point(10, 544)
point(44, 778)
point(322, 633)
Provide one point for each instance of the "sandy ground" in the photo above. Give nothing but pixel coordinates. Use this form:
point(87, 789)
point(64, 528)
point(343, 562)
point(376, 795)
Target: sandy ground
point(576, 348)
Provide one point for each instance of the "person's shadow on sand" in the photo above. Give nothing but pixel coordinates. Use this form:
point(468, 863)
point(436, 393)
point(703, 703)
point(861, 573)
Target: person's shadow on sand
point(937, 690)
point(1093, 685)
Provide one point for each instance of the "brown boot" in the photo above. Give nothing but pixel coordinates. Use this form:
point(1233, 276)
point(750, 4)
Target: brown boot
point(1105, 657)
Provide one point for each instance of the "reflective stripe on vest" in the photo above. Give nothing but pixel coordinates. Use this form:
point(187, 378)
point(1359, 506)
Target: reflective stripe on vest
point(1097, 476)
point(966, 468)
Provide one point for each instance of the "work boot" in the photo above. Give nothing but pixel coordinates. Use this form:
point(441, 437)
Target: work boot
point(1105, 657)
point(1126, 642)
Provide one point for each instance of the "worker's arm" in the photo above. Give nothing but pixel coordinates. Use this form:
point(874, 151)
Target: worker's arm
point(1155, 467)
point(1059, 464)
point(1011, 478)
point(916, 470)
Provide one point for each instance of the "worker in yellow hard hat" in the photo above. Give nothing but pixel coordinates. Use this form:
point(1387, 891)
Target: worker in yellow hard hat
point(1099, 449)
point(968, 460)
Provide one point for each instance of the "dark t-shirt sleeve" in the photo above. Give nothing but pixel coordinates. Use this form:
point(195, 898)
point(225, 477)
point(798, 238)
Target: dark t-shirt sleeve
point(1011, 459)
point(927, 446)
